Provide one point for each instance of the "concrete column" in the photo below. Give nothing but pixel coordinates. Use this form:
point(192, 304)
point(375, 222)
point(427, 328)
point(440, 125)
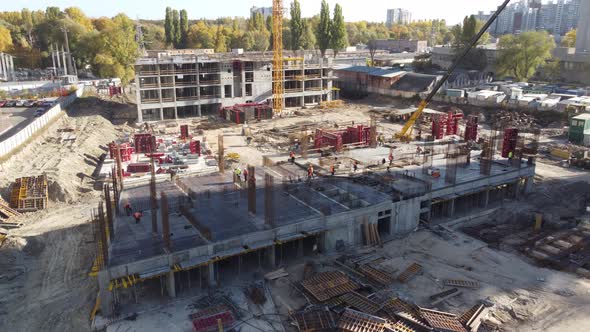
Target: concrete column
point(161, 111)
point(2, 71)
point(271, 257)
point(4, 67)
point(451, 207)
point(11, 60)
point(300, 248)
point(321, 241)
point(211, 280)
point(106, 297)
point(486, 198)
point(528, 185)
point(516, 189)
point(171, 284)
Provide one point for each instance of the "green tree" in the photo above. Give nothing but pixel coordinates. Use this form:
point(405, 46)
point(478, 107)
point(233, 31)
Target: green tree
point(569, 40)
point(175, 28)
point(5, 39)
point(339, 39)
point(296, 26)
point(308, 41)
point(52, 13)
point(520, 56)
point(154, 36)
point(78, 16)
point(551, 71)
point(168, 26)
point(183, 28)
point(323, 29)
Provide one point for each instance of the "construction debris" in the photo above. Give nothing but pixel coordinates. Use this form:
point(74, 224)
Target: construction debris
point(326, 285)
point(461, 283)
point(6, 212)
point(411, 271)
point(29, 194)
point(359, 302)
point(314, 320)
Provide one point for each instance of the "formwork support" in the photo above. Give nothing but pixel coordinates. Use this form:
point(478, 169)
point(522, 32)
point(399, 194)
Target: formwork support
point(373, 132)
point(211, 280)
point(252, 190)
point(269, 208)
point(109, 205)
point(450, 207)
point(220, 152)
point(153, 198)
point(528, 185)
point(170, 284)
point(119, 168)
point(271, 258)
point(165, 221)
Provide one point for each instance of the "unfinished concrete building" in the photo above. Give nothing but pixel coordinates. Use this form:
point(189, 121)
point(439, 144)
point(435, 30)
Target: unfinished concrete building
point(178, 85)
point(206, 230)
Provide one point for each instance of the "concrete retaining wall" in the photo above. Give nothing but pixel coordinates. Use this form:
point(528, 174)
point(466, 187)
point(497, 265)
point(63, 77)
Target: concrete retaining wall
point(19, 138)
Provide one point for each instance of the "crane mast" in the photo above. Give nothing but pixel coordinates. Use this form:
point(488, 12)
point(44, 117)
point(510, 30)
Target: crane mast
point(278, 74)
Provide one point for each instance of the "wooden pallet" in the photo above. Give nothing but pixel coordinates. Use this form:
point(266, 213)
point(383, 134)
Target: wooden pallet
point(6, 211)
point(410, 272)
point(326, 285)
point(361, 303)
point(376, 275)
point(315, 320)
point(442, 321)
point(469, 316)
point(461, 283)
point(355, 321)
point(397, 308)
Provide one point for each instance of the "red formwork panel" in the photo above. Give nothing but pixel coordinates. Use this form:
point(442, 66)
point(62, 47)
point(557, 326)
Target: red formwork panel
point(138, 168)
point(125, 149)
point(209, 323)
point(184, 134)
point(195, 147)
point(471, 128)
point(509, 144)
point(240, 113)
point(327, 138)
point(438, 124)
point(144, 143)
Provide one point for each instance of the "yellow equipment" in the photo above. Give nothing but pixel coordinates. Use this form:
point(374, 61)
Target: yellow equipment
point(406, 132)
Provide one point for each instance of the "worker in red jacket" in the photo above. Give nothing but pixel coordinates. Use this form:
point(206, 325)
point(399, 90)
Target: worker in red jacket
point(128, 209)
point(137, 215)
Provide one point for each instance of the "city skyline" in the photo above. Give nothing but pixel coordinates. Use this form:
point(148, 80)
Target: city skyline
point(353, 10)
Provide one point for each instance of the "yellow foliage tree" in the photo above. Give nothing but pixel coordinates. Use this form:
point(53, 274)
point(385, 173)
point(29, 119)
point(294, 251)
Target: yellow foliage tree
point(5, 39)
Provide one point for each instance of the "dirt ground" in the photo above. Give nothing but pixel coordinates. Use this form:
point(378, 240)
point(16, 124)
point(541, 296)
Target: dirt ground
point(44, 264)
point(44, 284)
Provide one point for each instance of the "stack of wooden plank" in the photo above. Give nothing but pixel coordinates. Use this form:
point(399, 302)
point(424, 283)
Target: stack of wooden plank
point(371, 235)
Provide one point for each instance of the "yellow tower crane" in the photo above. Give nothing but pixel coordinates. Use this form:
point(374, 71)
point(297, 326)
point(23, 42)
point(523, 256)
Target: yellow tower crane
point(278, 74)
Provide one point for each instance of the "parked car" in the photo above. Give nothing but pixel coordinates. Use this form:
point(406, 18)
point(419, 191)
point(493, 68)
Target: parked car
point(3, 103)
point(39, 112)
point(19, 103)
point(10, 103)
point(29, 103)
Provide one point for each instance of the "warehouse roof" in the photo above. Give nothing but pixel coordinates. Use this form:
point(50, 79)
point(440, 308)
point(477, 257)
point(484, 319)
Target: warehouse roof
point(414, 82)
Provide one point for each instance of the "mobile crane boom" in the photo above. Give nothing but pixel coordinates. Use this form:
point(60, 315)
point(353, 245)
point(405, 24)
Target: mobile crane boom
point(406, 131)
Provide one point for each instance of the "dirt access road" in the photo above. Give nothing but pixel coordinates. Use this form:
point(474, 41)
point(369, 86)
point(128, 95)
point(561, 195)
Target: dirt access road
point(44, 284)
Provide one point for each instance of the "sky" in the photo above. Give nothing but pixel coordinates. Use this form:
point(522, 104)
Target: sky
point(354, 10)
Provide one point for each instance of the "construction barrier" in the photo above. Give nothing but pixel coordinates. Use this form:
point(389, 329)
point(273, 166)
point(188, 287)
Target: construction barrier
point(10, 144)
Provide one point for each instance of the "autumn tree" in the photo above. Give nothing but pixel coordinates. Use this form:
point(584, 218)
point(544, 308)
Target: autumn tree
point(5, 39)
point(520, 56)
point(569, 40)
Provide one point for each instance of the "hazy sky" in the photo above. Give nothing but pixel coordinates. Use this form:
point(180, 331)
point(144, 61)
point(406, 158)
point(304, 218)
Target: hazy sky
point(354, 10)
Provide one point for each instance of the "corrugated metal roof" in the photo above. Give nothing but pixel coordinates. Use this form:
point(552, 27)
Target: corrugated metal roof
point(374, 71)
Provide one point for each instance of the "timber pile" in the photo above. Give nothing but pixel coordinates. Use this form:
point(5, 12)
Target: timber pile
point(6, 212)
point(371, 235)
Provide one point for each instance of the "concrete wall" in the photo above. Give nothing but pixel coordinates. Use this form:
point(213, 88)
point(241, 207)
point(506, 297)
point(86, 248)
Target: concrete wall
point(19, 138)
point(405, 216)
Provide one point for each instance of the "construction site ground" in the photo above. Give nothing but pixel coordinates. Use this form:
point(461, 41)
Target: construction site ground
point(44, 263)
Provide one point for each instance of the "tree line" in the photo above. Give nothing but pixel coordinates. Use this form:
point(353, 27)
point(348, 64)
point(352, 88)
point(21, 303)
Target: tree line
point(108, 46)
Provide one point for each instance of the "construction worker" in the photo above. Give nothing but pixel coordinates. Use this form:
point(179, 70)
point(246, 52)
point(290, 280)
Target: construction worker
point(510, 155)
point(383, 161)
point(137, 215)
point(245, 172)
point(390, 158)
point(128, 209)
point(418, 150)
point(355, 166)
point(332, 170)
point(292, 157)
point(238, 174)
point(309, 172)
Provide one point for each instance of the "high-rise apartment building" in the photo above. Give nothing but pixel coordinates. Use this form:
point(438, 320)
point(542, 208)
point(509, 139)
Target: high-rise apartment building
point(398, 16)
point(583, 33)
point(265, 11)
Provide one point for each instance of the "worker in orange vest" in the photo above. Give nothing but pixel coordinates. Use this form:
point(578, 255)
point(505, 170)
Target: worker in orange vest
point(309, 172)
point(292, 157)
point(245, 172)
point(390, 158)
point(332, 170)
point(137, 215)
